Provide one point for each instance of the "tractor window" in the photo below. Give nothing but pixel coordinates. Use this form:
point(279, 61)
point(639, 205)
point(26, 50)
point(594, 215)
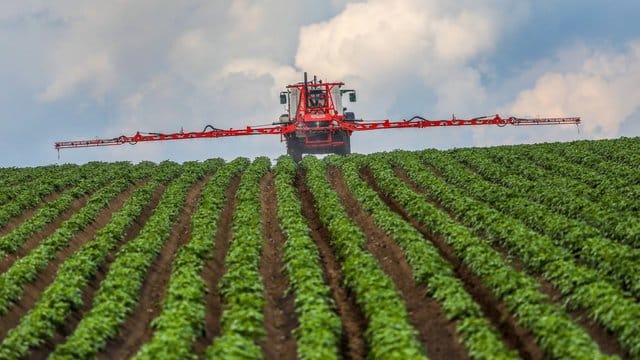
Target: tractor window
point(317, 98)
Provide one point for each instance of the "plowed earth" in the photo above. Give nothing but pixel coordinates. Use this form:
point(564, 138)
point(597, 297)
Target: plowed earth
point(436, 333)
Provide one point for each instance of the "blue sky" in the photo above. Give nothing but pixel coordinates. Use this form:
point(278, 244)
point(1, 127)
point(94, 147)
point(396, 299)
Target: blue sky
point(77, 70)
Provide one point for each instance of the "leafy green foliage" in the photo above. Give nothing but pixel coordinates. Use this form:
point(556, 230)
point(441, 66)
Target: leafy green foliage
point(26, 269)
point(318, 334)
point(389, 334)
point(559, 195)
point(183, 310)
point(480, 338)
point(555, 332)
point(31, 195)
point(567, 212)
point(50, 211)
point(16, 181)
point(617, 262)
point(65, 293)
point(241, 286)
point(583, 287)
point(118, 293)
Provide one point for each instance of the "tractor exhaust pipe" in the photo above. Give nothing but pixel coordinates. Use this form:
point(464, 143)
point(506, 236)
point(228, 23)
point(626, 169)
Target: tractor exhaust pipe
point(306, 88)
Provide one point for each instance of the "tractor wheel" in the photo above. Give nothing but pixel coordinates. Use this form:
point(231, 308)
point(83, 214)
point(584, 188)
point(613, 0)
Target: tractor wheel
point(294, 150)
point(345, 148)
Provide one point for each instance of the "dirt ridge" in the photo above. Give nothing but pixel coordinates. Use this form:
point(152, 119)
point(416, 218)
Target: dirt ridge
point(279, 312)
point(353, 345)
point(214, 269)
point(33, 290)
point(18, 220)
point(436, 333)
point(36, 238)
point(92, 287)
point(606, 341)
point(137, 330)
point(515, 336)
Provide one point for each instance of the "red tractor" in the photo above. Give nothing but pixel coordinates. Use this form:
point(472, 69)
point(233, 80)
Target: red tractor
point(315, 110)
point(316, 123)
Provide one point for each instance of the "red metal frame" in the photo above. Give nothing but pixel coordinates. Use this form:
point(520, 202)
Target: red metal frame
point(321, 122)
point(306, 113)
point(340, 125)
point(424, 123)
point(144, 137)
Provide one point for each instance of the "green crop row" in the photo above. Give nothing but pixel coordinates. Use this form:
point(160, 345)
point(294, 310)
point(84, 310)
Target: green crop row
point(22, 180)
point(44, 186)
point(554, 193)
point(556, 334)
point(65, 293)
point(26, 269)
point(318, 335)
point(480, 338)
point(579, 179)
point(582, 152)
point(583, 287)
point(118, 294)
point(46, 214)
point(608, 191)
point(389, 334)
point(241, 287)
point(623, 150)
point(181, 320)
point(617, 262)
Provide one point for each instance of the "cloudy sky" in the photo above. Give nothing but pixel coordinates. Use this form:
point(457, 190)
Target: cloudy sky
point(74, 69)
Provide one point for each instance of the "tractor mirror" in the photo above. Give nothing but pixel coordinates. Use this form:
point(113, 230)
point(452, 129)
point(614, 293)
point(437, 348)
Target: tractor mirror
point(352, 96)
point(283, 98)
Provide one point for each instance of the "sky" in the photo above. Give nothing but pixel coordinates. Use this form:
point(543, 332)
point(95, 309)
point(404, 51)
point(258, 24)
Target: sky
point(72, 70)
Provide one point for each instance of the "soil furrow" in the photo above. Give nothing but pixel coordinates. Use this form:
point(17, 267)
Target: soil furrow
point(605, 340)
point(49, 229)
point(15, 222)
point(279, 312)
point(354, 324)
point(94, 283)
point(435, 331)
point(495, 310)
point(33, 290)
point(214, 269)
point(137, 329)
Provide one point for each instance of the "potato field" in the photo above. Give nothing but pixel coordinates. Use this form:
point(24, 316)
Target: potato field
point(526, 251)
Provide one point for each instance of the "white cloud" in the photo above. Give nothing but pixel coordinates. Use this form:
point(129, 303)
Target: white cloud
point(255, 68)
point(602, 90)
point(96, 69)
point(247, 17)
point(376, 46)
point(223, 63)
point(385, 44)
point(160, 65)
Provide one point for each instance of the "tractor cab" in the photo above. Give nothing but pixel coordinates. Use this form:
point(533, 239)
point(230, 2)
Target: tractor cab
point(317, 99)
point(315, 107)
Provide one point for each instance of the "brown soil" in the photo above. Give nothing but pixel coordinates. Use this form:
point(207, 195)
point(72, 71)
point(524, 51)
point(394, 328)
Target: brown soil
point(94, 284)
point(214, 269)
point(15, 222)
point(435, 332)
point(513, 335)
point(353, 345)
point(35, 239)
point(33, 290)
point(606, 341)
point(279, 312)
point(137, 329)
